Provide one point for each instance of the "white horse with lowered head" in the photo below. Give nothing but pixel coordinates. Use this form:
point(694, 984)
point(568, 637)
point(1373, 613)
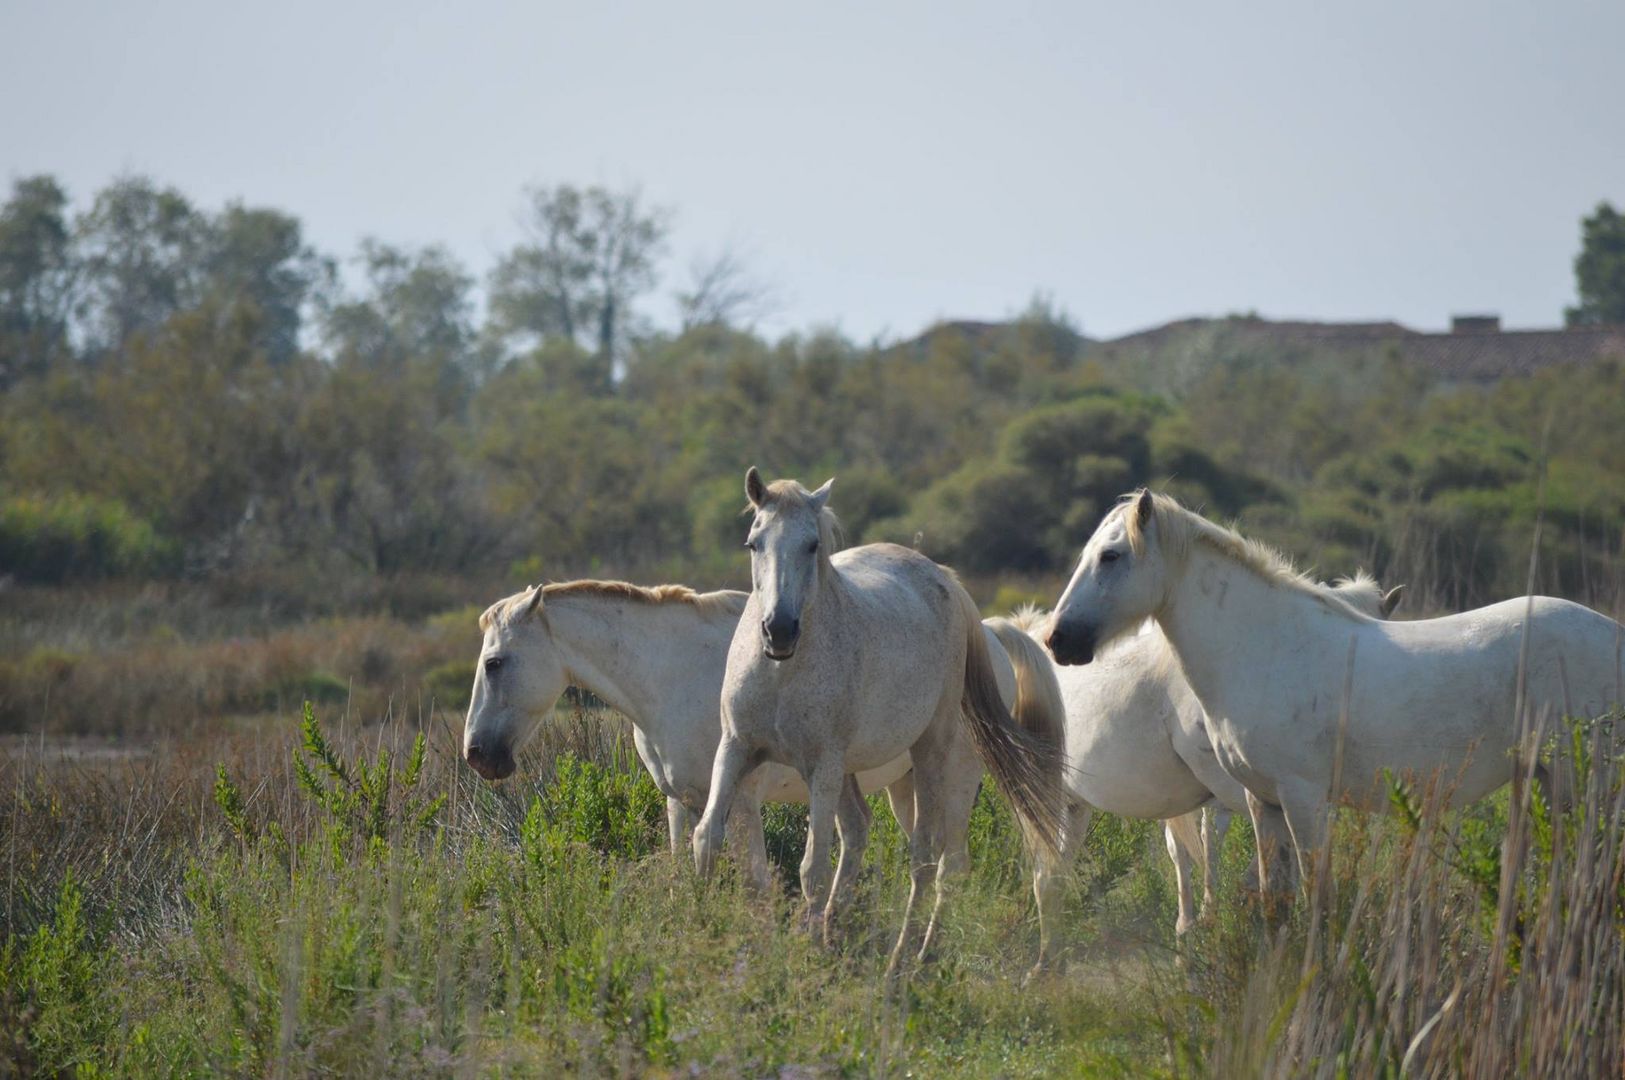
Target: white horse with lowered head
point(1136, 745)
point(657, 656)
point(1307, 699)
point(841, 662)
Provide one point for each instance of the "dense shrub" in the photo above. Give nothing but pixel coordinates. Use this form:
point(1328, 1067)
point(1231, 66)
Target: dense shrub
point(53, 539)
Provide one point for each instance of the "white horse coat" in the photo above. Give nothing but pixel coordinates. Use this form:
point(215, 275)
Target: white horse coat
point(1269, 656)
point(657, 656)
point(1137, 746)
point(842, 661)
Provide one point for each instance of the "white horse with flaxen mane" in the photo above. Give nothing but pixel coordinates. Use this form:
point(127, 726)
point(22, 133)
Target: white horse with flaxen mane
point(1307, 699)
point(657, 656)
point(843, 661)
point(1136, 745)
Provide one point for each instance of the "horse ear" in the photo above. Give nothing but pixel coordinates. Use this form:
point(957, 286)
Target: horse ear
point(1391, 599)
point(1142, 506)
point(821, 496)
point(754, 490)
point(533, 604)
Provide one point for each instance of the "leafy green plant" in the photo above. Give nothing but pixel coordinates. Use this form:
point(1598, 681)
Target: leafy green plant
point(614, 809)
point(54, 979)
point(365, 799)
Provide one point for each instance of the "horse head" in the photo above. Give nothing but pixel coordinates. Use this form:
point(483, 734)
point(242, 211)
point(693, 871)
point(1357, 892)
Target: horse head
point(517, 680)
point(1120, 581)
point(790, 541)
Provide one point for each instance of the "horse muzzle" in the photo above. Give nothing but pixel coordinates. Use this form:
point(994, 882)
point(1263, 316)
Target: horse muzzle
point(491, 761)
point(780, 636)
point(1071, 646)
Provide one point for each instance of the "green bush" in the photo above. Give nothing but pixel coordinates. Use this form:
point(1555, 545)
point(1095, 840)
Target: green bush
point(451, 683)
point(52, 539)
point(615, 809)
point(54, 979)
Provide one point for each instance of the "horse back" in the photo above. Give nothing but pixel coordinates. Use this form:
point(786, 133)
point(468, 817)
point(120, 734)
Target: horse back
point(895, 587)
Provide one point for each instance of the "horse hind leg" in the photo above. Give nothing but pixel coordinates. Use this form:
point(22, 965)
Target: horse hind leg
point(925, 843)
point(823, 798)
point(957, 780)
point(922, 858)
point(1215, 825)
point(852, 822)
point(1048, 872)
point(745, 823)
point(1184, 839)
point(900, 794)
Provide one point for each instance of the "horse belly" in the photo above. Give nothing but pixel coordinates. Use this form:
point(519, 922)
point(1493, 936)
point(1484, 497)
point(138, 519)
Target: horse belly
point(1119, 754)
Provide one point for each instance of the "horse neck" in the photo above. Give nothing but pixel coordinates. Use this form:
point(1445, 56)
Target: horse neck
point(637, 657)
point(833, 591)
point(1226, 622)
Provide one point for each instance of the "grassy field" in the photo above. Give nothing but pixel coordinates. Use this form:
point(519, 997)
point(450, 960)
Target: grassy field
point(259, 892)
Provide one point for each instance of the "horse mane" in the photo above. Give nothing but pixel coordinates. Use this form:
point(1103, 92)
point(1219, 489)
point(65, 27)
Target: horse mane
point(1361, 592)
point(721, 602)
point(1178, 527)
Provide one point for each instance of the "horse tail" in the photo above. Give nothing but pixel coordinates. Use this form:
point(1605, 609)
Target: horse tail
point(1039, 708)
point(1026, 765)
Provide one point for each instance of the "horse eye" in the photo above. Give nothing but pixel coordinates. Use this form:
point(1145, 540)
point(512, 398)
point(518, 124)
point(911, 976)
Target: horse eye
point(492, 663)
point(1110, 556)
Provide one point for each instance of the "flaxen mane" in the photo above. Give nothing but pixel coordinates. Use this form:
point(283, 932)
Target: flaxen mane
point(1178, 528)
point(722, 602)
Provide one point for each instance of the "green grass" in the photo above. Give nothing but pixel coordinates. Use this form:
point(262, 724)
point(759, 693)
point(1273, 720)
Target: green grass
point(362, 905)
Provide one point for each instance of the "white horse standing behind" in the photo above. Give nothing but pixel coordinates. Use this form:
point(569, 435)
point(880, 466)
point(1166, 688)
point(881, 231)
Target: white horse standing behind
point(1137, 746)
point(840, 663)
point(657, 656)
point(1292, 679)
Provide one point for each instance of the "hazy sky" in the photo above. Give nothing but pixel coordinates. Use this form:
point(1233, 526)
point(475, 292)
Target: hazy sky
point(887, 164)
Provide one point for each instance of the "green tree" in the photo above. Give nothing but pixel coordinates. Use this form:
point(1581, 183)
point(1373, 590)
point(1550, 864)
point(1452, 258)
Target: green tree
point(1599, 269)
point(259, 256)
point(37, 276)
point(142, 249)
point(418, 306)
point(589, 255)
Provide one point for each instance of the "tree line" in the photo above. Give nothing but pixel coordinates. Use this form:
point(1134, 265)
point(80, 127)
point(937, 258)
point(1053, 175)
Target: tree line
point(197, 394)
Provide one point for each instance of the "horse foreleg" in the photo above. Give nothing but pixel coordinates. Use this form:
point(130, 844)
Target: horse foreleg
point(676, 825)
point(1306, 819)
point(852, 820)
point(731, 763)
point(823, 800)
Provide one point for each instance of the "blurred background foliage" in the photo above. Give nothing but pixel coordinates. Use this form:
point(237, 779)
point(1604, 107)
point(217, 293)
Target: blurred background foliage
point(198, 397)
